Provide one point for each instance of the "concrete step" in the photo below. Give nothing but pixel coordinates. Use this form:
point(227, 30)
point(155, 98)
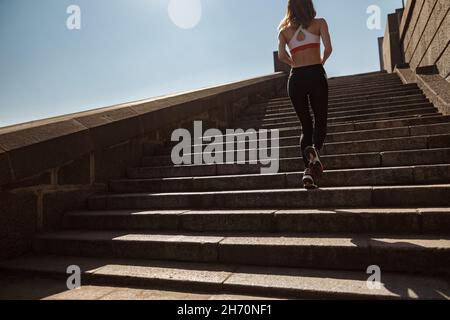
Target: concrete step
point(219, 278)
point(359, 83)
point(394, 87)
point(332, 178)
point(361, 96)
point(333, 85)
point(259, 111)
point(362, 79)
point(432, 129)
point(375, 89)
point(339, 105)
point(344, 161)
point(373, 96)
point(414, 195)
point(356, 83)
point(292, 116)
point(429, 129)
point(253, 112)
point(418, 113)
point(351, 220)
point(286, 117)
point(366, 116)
point(415, 122)
point(334, 148)
point(407, 253)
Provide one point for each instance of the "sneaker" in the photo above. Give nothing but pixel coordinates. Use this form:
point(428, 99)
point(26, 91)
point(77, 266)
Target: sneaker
point(314, 162)
point(308, 180)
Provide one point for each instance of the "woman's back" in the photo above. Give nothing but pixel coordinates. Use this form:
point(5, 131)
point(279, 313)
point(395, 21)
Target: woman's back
point(304, 43)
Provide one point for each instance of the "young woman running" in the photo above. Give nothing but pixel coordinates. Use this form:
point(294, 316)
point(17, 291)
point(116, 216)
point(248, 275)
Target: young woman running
point(308, 84)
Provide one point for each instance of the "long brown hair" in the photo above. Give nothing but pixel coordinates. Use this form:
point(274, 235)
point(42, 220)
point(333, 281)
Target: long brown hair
point(299, 13)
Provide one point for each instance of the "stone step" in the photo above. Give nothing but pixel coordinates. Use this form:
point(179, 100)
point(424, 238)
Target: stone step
point(394, 87)
point(362, 146)
point(354, 85)
point(360, 83)
point(292, 113)
point(366, 116)
point(332, 178)
point(219, 278)
point(363, 78)
point(331, 113)
point(257, 111)
point(419, 113)
point(415, 195)
point(359, 103)
point(289, 110)
point(429, 129)
point(350, 220)
point(408, 253)
point(344, 161)
point(365, 97)
point(341, 132)
point(292, 116)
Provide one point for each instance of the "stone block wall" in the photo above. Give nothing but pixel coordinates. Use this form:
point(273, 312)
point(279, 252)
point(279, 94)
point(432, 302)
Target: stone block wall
point(419, 38)
point(425, 35)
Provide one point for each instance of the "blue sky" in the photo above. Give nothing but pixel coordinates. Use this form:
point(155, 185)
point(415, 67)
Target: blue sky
point(131, 49)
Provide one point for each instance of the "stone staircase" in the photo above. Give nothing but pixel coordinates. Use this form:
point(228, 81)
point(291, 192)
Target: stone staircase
point(384, 200)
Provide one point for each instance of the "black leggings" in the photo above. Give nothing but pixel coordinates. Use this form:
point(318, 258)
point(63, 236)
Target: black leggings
point(309, 86)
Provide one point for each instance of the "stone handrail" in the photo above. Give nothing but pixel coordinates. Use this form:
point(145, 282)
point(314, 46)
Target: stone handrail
point(28, 149)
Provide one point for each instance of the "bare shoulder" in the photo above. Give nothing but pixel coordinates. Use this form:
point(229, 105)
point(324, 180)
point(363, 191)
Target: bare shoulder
point(322, 22)
point(286, 33)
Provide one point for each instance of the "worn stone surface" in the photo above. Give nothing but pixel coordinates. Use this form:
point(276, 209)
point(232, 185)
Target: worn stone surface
point(265, 281)
point(56, 204)
point(320, 284)
point(76, 172)
point(435, 220)
point(48, 146)
point(18, 223)
point(5, 169)
point(129, 220)
point(126, 245)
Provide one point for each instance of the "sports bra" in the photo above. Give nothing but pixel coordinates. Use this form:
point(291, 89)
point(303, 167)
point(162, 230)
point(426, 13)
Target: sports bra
point(311, 41)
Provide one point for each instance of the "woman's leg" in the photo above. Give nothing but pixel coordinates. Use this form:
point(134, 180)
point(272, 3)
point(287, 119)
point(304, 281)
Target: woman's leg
point(319, 105)
point(299, 98)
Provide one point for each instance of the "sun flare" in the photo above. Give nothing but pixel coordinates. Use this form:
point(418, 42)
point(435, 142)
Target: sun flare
point(185, 14)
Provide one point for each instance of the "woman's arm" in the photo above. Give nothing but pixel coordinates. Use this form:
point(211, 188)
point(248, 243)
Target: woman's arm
point(325, 34)
point(283, 56)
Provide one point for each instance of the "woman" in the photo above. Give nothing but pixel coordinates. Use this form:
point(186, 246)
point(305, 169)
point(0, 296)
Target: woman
point(308, 84)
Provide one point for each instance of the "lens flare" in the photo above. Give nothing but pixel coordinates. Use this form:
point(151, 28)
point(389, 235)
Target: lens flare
point(185, 14)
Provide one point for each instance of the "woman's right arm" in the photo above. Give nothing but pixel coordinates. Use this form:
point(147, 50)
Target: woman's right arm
point(326, 38)
point(283, 56)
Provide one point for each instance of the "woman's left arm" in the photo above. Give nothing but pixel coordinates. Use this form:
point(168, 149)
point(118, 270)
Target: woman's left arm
point(282, 53)
point(326, 38)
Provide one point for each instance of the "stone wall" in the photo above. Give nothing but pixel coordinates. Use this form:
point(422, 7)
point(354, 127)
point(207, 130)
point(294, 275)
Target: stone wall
point(417, 47)
point(280, 66)
point(420, 38)
point(51, 166)
point(425, 35)
point(391, 56)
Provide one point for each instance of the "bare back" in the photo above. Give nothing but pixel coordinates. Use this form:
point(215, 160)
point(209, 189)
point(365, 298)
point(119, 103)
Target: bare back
point(309, 56)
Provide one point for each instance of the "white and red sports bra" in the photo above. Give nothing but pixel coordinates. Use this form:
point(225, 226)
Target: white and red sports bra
point(311, 41)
